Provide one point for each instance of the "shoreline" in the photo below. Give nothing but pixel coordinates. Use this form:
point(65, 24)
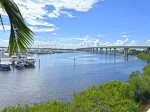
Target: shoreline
point(112, 82)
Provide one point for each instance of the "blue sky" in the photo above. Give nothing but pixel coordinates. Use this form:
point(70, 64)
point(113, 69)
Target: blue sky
point(82, 23)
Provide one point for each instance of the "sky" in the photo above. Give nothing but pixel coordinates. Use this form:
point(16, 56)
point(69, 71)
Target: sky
point(83, 23)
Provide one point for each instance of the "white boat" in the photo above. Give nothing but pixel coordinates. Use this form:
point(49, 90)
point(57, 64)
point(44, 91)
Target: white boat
point(4, 66)
point(13, 59)
point(19, 63)
point(29, 61)
point(4, 62)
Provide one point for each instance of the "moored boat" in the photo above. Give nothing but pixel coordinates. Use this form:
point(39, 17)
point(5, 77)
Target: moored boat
point(4, 66)
point(13, 59)
point(20, 63)
point(29, 62)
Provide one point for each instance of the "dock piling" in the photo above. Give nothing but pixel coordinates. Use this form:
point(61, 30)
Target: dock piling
point(39, 63)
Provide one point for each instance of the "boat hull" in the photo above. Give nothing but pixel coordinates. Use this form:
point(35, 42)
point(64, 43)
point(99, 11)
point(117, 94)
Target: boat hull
point(4, 67)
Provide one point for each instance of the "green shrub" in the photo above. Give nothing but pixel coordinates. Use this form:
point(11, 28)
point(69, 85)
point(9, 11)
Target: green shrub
point(140, 82)
point(147, 70)
point(144, 56)
point(46, 107)
point(109, 97)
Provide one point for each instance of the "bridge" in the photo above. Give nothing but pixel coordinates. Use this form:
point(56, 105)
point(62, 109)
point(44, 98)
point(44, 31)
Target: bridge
point(110, 49)
point(101, 49)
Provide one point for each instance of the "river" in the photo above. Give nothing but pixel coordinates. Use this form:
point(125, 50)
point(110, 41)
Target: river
point(59, 75)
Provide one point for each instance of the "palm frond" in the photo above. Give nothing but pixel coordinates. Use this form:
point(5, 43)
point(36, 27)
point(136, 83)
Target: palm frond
point(1, 22)
point(21, 37)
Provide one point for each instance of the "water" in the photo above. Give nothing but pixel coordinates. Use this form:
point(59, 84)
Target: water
point(59, 76)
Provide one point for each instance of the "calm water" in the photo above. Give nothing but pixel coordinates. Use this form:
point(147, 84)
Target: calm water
point(58, 76)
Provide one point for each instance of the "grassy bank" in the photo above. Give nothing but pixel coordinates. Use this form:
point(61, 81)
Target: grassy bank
point(112, 96)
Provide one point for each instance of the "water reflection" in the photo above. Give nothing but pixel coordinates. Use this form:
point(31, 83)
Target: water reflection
point(59, 75)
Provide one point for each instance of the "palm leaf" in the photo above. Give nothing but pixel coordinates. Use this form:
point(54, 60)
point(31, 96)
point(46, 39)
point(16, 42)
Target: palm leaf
point(21, 37)
point(1, 21)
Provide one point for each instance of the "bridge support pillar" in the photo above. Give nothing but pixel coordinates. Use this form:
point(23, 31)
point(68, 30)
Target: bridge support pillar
point(97, 50)
point(126, 51)
point(106, 51)
point(114, 51)
point(101, 50)
point(85, 49)
point(110, 50)
point(92, 49)
point(89, 50)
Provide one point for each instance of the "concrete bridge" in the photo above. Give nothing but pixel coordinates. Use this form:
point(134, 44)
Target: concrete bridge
point(113, 49)
point(101, 49)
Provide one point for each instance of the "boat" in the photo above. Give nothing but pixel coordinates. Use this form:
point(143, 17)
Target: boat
point(29, 62)
point(4, 66)
point(13, 59)
point(19, 64)
point(22, 61)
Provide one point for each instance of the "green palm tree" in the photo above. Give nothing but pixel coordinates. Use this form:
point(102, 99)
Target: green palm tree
point(21, 37)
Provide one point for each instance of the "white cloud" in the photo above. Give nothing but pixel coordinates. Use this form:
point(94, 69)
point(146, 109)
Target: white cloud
point(77, 5)
point(76, 39)
point(90, 42)
point(36, 12)
point(87, 42)
point(125, 36)
point(67, 13)
point(124, 33)
point(78, 42)
point(97, 43)
point(121, 42)
point(133, 43)
point(101, 35)
point(36, 29)
point(107, 44)
point(148, 42)
point(2, 12)
point(40, 23)
point(54, 33)
point(6, 27)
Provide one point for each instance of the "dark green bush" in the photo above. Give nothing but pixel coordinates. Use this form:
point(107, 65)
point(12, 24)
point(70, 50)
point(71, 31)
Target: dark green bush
point(140, 82)
point(46, 107)
point(109, 97)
